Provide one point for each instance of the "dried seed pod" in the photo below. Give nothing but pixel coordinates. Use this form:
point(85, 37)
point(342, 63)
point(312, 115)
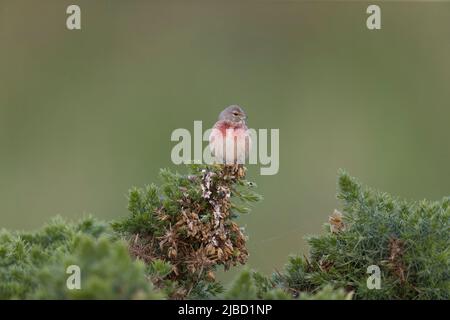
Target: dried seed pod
point(210, 276)
point(219, 253)
point(210, 250)
point(172, 253)
point(336, 222)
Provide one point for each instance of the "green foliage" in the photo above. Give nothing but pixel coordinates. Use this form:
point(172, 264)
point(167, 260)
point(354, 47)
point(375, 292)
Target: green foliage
point(243, 288)
point(169, 251)
point(408, 240)
point(251, 285)
point(295, 277)
point(33, 265)
point(327, 292)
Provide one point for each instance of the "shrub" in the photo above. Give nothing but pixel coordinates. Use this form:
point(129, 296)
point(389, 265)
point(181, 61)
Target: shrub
point(33, 265)
point(178, 234)
point(188, 223)
point(407, 240)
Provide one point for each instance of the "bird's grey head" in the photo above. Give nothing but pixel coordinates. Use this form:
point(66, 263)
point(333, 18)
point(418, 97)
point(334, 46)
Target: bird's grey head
point(233, 113)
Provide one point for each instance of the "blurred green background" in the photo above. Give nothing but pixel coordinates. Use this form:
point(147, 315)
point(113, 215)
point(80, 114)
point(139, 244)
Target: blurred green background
point(84, 115)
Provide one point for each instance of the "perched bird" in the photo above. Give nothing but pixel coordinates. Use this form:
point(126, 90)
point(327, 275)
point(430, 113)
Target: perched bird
point(230, 141)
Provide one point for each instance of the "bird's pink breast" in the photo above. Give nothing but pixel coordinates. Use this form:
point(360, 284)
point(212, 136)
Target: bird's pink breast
point(230, 143)
point(236, 129)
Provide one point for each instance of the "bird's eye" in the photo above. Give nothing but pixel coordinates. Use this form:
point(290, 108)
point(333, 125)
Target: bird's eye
point(235, 113)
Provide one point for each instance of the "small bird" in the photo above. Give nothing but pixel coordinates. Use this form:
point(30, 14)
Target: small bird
point(230, 141)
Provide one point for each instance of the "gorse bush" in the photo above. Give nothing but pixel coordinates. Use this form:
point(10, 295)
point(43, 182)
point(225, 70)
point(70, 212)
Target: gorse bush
point(188, 223)
point(251, 285)
point(34, 265)
point(409, 241)
point(178, 234)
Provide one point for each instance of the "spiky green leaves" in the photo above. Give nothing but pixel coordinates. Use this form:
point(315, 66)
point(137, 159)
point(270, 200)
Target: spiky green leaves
point(409, 241)
point(34, 265)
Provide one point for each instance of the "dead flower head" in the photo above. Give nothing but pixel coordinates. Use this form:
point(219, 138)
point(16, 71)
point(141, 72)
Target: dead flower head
point(336, 222)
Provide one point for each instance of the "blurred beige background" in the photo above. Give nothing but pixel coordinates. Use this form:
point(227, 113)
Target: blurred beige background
point(84, 115)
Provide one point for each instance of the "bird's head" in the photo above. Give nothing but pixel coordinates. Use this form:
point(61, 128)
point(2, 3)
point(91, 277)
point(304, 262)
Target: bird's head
point(233, 113)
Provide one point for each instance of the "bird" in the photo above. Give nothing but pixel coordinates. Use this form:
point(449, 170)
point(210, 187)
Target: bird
point(230, 141)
